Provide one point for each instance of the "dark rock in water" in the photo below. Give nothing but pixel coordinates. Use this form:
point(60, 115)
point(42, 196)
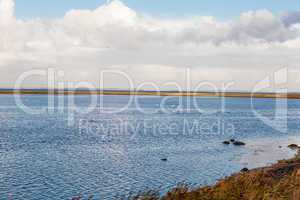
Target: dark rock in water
point(279, 147)
point(293, 146)
point(239, 143)
point(164, 159)
point(245, 170)
point(226, 142)
point(232, 140)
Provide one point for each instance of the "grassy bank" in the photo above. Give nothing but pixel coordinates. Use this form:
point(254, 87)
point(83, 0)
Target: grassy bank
point(280, 181)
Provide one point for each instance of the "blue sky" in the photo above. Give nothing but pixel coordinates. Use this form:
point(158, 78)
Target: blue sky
point(243, 49)
point(221, 9)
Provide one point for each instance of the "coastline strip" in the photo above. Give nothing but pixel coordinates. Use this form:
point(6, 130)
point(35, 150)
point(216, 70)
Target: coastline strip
point(153, 93)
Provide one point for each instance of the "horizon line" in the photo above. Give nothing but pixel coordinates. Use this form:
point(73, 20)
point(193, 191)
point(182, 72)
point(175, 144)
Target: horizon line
point(114, 92)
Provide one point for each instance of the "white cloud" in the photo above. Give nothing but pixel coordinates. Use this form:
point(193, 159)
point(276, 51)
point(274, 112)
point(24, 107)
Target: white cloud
point(7, 11)
point(84, 42)
point(263, 26)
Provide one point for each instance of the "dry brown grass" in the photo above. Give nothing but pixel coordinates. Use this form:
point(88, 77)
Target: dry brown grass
point(278, 182)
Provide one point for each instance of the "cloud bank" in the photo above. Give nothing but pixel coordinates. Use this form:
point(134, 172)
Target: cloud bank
point(147, 48)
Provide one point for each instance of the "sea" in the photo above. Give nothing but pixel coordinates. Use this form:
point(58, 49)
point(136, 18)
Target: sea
point(58, 147)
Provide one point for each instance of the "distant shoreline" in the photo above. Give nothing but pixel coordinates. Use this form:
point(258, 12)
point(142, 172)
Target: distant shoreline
point(152, 93)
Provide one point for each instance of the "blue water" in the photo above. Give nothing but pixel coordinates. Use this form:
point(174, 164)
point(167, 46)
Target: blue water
point(60, 152)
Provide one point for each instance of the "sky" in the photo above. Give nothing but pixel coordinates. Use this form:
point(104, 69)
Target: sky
point(165, 8)
point(149, 44)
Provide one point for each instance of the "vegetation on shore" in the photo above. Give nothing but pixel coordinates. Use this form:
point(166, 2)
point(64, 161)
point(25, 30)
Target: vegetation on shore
point(280, 181)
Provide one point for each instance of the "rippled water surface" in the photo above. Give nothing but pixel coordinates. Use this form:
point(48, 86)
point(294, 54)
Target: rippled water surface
point(61, 152)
